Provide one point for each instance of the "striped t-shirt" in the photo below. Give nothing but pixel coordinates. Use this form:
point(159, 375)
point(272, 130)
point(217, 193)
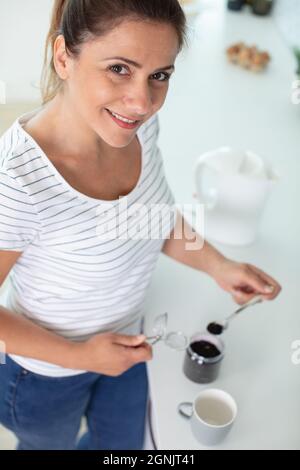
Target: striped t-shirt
point(86, 263)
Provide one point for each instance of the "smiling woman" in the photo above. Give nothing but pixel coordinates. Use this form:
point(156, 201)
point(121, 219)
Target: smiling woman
point(76, 348)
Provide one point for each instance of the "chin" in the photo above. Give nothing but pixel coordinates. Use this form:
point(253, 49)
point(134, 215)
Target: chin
point(117, 143)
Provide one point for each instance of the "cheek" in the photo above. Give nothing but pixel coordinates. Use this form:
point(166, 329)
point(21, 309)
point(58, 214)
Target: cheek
point(159, 96)
point(99, 91)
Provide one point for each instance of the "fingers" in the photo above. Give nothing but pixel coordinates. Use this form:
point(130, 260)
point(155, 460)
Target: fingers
point(134, 348)
point(242, 296)
point(252, 282)
point(270, 280)
point(257, 280)
point(257, 283)
point(142, 353)
point(129, 340)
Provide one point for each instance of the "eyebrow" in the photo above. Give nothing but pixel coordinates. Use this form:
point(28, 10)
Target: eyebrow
point(139, 66)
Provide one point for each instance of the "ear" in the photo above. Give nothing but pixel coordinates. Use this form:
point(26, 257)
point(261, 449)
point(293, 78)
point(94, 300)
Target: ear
point(60, 57)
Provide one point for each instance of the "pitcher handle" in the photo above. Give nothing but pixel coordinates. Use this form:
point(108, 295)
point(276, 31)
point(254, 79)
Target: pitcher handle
point(199, 169)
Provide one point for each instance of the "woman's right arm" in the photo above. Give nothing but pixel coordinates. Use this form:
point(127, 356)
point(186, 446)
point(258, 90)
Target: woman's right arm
point(110, 354)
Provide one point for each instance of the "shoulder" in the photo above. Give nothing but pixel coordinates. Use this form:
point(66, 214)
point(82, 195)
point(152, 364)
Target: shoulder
point(15, 154)
point(19, 157)
point(14, 147)
point(10, 142)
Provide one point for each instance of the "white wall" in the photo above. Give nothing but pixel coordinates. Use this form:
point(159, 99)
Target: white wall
point(287, 14)
point(23, 28)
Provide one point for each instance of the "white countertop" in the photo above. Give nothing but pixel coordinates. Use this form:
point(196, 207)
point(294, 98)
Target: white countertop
point(212, 103)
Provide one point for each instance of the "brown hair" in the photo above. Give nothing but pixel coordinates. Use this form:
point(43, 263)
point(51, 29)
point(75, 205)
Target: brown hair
point(80, 20)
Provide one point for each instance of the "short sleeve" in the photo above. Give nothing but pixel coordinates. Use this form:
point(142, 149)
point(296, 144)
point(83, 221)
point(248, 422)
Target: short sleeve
point(19, 222)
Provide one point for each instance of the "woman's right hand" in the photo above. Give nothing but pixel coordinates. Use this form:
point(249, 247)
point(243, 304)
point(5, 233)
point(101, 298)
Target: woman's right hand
point(112, 354)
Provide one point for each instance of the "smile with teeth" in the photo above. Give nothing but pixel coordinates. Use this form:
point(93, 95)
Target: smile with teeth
point(121, 118)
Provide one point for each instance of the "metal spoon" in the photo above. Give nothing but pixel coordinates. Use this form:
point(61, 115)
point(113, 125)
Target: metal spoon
point(216, 328)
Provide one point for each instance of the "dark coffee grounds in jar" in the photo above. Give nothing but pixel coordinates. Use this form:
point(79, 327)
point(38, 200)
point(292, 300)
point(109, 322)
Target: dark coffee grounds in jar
point(205, 349)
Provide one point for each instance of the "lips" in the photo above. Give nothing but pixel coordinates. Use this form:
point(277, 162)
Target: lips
point(123, 124)
point(125, 117)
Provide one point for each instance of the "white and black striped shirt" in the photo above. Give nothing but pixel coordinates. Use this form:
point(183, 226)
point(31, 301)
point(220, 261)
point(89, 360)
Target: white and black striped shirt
point(69, 279)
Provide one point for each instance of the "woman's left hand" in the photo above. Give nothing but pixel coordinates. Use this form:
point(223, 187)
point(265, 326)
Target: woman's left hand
point(243, 281)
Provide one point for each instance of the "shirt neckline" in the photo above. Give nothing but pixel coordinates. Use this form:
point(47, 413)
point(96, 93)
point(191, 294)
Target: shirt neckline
point(21, 119)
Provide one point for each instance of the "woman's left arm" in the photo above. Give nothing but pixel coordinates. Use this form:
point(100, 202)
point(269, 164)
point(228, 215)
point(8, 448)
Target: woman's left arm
point(242, 280)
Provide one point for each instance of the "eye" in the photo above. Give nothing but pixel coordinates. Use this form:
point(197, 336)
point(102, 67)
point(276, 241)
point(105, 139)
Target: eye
point(166, 76)
point(117, 67)
point(113, 67)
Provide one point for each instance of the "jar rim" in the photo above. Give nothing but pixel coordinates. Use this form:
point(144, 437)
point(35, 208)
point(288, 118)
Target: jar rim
point(202, 359)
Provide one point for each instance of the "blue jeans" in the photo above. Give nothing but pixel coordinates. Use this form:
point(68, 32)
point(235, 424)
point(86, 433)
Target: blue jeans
point(45, 412)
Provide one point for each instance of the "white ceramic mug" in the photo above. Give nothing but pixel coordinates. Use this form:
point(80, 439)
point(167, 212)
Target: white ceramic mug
point(211, 414)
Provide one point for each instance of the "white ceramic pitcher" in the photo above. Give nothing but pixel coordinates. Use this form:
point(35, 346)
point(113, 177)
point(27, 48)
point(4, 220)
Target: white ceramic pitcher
point(240, 182)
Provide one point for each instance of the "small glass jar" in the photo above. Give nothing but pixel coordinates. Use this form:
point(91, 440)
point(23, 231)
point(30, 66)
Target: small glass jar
point(262, 7)
point(203, 367)
point(235, 5)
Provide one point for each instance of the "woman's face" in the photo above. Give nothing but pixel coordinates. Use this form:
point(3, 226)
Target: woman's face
point(95, 83)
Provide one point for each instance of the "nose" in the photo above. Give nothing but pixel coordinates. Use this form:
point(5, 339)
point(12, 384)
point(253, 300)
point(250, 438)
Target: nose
point(139, 99)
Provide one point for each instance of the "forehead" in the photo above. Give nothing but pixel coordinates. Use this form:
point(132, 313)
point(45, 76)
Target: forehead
point(139, 40)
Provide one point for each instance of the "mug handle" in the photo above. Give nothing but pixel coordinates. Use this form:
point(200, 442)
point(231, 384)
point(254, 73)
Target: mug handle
point(182, 412)
point(199, 169)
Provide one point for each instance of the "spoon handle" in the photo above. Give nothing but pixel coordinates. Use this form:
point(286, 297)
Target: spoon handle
point(255, 300)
